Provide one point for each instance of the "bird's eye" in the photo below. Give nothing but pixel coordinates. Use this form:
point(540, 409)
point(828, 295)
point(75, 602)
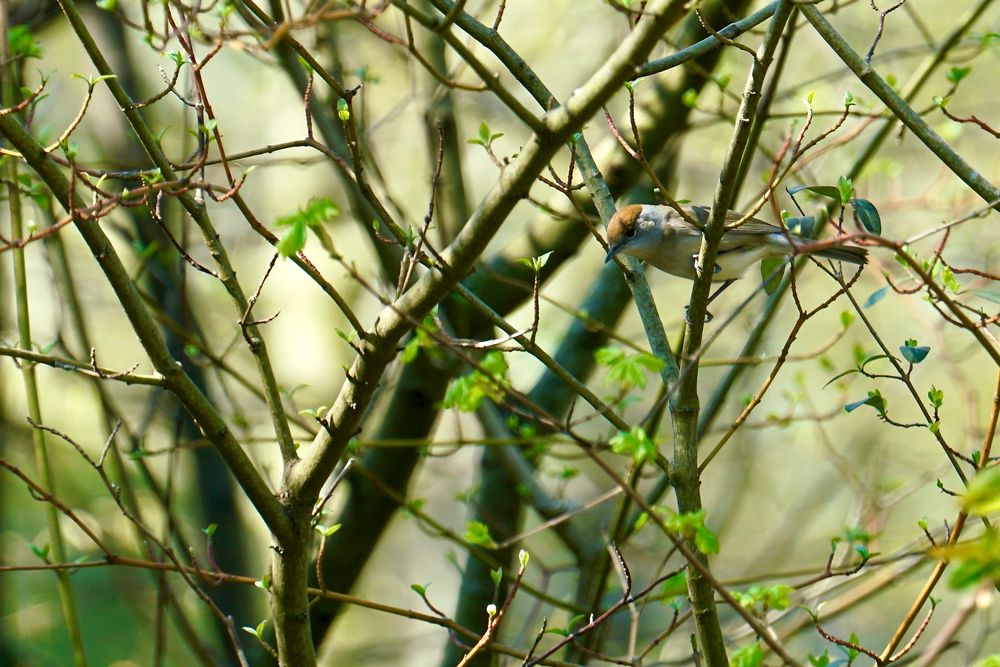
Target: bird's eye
point(630, 232)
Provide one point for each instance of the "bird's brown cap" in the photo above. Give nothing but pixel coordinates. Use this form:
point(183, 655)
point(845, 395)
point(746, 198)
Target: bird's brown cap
point(621, 222)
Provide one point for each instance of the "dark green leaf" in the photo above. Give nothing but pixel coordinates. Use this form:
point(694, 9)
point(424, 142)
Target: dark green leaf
point(914, 353)
point(821, 190)
point(874, 399)
point(875, 297)
point(803, 225)
point(771, 270)
point(867, 215)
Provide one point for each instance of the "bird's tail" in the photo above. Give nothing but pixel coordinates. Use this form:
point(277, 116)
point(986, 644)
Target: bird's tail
point(851, 254)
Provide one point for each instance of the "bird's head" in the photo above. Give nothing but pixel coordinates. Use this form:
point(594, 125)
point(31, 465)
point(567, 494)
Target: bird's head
point(631, 231)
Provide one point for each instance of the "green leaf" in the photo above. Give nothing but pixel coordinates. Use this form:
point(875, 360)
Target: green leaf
point(845, 188)
point(535, 263)
point(867, 215)
point(748, 656)
point(982, 496)
point(771, 270)
point(820, 661)
point(991, 661)
point(821, 190)
point(690, 98)
point(706, 541)
point(294, 239)
point(675, 585)
point(609, 356)
point(256, 632)
point(875, 297)
point(327, 531)
point(478, 533)
point(691, 526)
point(956, 74)
point(107, 5)
point(950, 282)
point(874, 399)
point(320, 210)
point(41, 552)
point(634, 443)
point(974, 561)
point(22, 43)
point(625, 370)
point(936, 396)
point(914, 353)
point(317, 211)
point(804, 225)
point(496, 575)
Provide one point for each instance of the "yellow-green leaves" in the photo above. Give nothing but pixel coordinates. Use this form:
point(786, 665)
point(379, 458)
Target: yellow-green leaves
point(748, 656)
point(634, 443)
point(317, 212)
point(767, 597)
point(691, 526)
point(983, 493)
point(467, 392)
point(627, 371)
point(478, 533)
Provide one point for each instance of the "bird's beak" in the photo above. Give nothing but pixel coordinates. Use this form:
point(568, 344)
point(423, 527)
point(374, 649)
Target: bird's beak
point(612, 251)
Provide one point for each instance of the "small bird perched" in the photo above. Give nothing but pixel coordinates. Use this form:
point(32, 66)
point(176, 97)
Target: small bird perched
point(660, 236)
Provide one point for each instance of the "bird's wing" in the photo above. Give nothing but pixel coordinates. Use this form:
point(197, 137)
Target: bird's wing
point(751, 226)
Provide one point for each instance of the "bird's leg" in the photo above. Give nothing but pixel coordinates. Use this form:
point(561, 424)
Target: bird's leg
point(697, 265)
point(711, 298)
point(719, 291)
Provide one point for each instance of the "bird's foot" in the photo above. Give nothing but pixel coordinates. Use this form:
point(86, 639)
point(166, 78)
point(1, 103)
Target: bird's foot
point(697, 266)
point(687, 315)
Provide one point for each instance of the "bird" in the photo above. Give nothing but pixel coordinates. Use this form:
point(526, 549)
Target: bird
point(661, 237)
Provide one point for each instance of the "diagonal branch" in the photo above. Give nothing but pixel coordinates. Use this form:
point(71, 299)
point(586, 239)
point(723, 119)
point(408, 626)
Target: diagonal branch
point(899, 108)
point(318, 459)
